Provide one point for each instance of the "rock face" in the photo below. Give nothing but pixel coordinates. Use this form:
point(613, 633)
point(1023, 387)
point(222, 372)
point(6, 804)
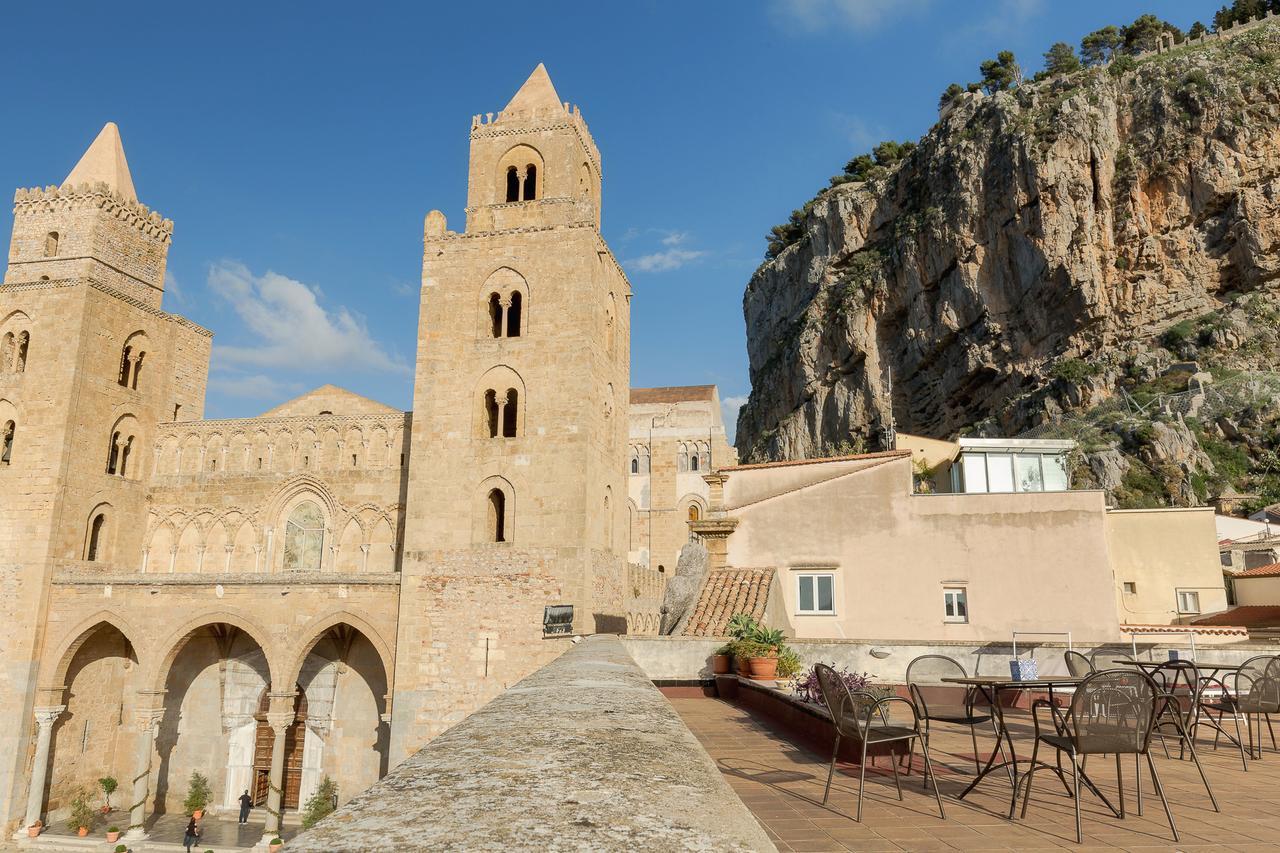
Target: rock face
point(1070, 222)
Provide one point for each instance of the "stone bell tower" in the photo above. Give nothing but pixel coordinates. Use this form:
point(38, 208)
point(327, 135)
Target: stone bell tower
point(516, 497)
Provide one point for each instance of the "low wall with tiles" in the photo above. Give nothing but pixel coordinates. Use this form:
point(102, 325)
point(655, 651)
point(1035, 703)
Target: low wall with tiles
point(687, 659)
point(584, 754)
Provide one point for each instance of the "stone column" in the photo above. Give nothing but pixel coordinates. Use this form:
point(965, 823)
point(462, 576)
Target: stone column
point(148, 721)
point(279, 718)
point(45, 718)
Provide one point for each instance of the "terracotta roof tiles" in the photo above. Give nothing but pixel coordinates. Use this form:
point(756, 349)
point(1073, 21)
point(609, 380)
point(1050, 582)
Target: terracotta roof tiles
point(1271, 570)
point(674, 394)
point(1251, 616)
point(726, 593)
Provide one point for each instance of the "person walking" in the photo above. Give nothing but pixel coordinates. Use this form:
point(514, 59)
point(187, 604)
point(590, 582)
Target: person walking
point(192, 834)
point(246, 803)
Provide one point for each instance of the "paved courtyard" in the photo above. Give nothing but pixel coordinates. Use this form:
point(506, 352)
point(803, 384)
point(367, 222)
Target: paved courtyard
point(781, 782)
point(165, 832)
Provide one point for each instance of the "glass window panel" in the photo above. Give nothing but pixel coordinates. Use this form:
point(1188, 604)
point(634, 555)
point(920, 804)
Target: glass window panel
point(962, 606)
point(950, 602)
point(1000, 472)
point(1027, 467)
point(1055, 473)
point(826, 595)
point(975, 472)
point(806, 592)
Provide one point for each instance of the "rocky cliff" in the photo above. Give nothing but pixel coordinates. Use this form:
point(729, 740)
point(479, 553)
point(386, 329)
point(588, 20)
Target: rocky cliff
point(1037, 252)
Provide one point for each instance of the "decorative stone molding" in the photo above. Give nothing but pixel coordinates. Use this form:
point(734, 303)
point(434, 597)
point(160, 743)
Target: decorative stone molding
point(93, 197)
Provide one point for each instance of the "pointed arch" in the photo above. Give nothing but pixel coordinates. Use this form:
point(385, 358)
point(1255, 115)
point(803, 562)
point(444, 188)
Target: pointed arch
point(217, 545)
point(100, 532)
point(53, 674)
point(157, 675)
point(503, 304)
point(160, 548)
point(350, 553)
point(190, 548)
point(244, 550)
point(498, 388)
point(382, 547)
point(316, 630)
point(494, 512)
point(522, 161)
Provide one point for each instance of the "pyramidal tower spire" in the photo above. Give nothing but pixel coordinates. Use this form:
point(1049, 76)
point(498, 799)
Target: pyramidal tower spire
point(104, 162)
point(537, 93)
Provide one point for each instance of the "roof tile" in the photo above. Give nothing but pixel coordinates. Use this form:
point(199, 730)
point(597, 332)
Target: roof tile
point(726, 593)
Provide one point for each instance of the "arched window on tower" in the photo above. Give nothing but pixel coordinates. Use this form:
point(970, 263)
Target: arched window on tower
point(693, 462)
point(97, 534)
point(6, 442)
point(124, 456)
point(530, 182)
point(513, 184)
point(20, 363)
point(694, 512)
point(7, 345)
point(497, 505)
point(495, 314)
point(126, 356)
point(113, 453)
point(491, 412)
point(51, 244)
point(513, 315)
point(509, 412)
point(635, 464)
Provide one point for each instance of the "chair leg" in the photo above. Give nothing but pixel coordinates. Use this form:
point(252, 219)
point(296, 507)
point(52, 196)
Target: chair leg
point(1271, 731)
point(929, 775)
point(893, 764)
point(1137, 779)
point(1031, 772)
point(1155, 781)
point(1120, 785)
point(1204, 778)
point(973, 733)
point(1075, 792)
point(1240, 740)
point(862, 779)
point(835, 750)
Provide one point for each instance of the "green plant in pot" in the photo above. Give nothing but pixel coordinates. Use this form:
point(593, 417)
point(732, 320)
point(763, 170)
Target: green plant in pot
point(81, 816)
point(121, 848)
point(764, 661)
point(275, 844)
point(741, 626)
point(789, 663)
point(198, 795)
point(320, 805)
point(113, 833)
point(108, 784)
point(720, 659)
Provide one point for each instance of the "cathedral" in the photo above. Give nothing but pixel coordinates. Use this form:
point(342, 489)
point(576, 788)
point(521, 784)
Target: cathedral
point(320, 590)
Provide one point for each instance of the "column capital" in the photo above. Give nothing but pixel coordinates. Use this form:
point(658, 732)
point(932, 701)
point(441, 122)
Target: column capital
point(46, 716)
point(147, 719)
point(279, 721)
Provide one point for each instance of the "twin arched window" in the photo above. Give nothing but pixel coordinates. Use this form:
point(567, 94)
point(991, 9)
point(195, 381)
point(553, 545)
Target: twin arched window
point(522, 185)
point(123, 446)
point(502, 414)
point(13, 352)
point(131, 361)
point(505, 314)
point(695, 456)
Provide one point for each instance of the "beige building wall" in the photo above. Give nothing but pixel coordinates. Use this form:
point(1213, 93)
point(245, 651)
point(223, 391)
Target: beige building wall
point(1027, 562)
point(676, 437)
point(1257, 591)
point(1161, 552)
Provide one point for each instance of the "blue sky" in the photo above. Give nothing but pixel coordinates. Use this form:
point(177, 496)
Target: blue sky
point(297, 147)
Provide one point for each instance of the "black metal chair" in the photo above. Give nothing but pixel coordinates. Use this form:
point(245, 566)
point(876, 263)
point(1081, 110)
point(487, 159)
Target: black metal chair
point(862, 716)
point(1077, 664)
point(1256, 695)
point(1112, 711)
point(925, 675)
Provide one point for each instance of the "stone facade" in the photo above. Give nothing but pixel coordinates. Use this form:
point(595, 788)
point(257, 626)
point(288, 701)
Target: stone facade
point(322, 589)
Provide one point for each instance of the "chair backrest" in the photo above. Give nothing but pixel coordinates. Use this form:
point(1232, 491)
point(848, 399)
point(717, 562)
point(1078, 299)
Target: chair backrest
point(931, 669)
point(1077, 664)
point(835, 693)
point(1113, 711)
point(1181, 677)
point(1259, 679)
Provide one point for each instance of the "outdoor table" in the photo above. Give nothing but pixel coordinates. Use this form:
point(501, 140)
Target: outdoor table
point(1151, 666)
point(991, 686)
point(1190, 720)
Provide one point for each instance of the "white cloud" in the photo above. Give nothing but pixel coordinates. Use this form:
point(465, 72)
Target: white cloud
point(256, 386)
point(863, 135)
point(294, 329)
point(860, 15)
point(174, 292)
point(731, 405)
point(671, 258)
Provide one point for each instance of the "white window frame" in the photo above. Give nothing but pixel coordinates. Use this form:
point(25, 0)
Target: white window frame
point(819, 574)
point(964, 594)
point(1190, 593)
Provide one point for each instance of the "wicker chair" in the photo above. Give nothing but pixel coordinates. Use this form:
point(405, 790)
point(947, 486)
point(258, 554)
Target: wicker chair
point(925, 675)
point(1112, 711)
point(1256, 695)
point(861, 715)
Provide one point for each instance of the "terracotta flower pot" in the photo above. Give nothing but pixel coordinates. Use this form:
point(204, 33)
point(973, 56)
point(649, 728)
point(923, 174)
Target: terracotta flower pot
point(743, 665)
point(113, 837)
point(105, 809)
point(764, 669)
point(82, 831)
point(720, 664)
point(274, 848)
point(35, 829)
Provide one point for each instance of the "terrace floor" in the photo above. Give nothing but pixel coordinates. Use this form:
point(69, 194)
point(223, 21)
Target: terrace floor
point(780, 780)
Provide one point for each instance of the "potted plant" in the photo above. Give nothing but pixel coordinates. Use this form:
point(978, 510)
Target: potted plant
point(198, 794)
point(275, 845)
point(120, 848)
point(108, 785)
point(113, 833)
point(789, 663)
point(81, 817)
point(720, 659)
point(764, 660)
point(321, 803)
point(35, 829)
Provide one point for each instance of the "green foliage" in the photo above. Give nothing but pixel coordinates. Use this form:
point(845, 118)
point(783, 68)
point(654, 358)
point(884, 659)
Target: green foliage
point(1122, 65)
point(320, 805)
point(1228, 459)
point(121, 848)
point(1144, 34)
point(789, 663)
point(1140, 489)
point(747, 648)
point(1000, 74)
point(769, 637)
point(1197, 30)
point(198, 793)
point(1100, 46)
point(1061, 59)
point(952, 92)
point(1178, 334)
point(1241, 12)
point(276, 840)
point(1075, 370)
point(741, 626)
point(108, 784)
point(81, 812)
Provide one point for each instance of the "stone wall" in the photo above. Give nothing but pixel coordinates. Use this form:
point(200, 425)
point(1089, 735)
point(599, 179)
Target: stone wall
point(583, 754)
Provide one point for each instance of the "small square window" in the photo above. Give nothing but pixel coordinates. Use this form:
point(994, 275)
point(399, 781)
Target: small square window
point(815, 593)
point(1188, 602)
point(1130, 588)
point(955, 604)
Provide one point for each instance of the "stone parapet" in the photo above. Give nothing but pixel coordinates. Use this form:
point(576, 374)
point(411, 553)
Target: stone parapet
point(585, 754)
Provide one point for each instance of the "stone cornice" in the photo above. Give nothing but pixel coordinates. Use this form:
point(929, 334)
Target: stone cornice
point(260, 423)
point(93, 197)
point(59, 283)
point(211, 579)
